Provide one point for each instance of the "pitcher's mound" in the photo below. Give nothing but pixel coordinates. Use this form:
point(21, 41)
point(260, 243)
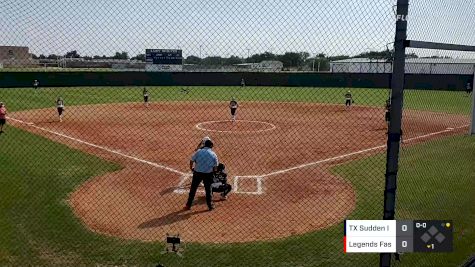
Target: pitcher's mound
point(239, 126)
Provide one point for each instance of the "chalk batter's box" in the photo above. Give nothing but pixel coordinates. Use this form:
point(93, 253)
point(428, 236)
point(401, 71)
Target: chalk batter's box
point(249, 185)
point(391, 236)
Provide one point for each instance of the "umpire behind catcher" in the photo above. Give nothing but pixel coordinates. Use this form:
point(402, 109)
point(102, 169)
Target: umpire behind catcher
point(206, 162)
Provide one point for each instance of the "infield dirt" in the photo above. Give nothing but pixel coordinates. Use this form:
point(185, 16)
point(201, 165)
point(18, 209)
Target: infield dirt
point(140, 201)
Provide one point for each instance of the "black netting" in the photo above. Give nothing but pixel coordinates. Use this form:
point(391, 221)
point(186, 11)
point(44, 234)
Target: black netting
point(106, 103)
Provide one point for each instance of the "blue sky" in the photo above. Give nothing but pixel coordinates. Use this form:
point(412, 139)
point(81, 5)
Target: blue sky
point(225, 28)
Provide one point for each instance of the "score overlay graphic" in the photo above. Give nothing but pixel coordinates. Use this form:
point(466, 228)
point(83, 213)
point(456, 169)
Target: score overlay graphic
point(391, 236)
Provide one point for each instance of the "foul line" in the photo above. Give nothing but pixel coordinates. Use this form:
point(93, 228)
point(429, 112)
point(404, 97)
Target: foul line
point(352, 153)
point(257, 177)
point(180, 188)
point(101, 147)
point(183, 177)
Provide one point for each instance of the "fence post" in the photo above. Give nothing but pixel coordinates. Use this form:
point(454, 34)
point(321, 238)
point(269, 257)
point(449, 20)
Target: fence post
point(394, 132)
point(472, 122)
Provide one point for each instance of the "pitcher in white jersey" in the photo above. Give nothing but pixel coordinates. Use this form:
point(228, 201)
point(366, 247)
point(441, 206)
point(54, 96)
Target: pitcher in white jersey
point(233, 106)
point(60, 108)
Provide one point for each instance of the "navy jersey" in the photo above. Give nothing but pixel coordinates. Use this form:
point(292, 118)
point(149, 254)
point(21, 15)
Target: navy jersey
point(220, 177)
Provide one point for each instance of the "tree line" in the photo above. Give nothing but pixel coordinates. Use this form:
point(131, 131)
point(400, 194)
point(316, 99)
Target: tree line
point(297, 60)
point(75, 54)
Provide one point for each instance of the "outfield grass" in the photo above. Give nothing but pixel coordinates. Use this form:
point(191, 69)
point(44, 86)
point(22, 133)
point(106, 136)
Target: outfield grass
point(37, 227)
point(28, 98)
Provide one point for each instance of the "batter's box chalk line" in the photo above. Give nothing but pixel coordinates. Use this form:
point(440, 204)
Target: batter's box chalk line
point(259, 187)
point(183, 186)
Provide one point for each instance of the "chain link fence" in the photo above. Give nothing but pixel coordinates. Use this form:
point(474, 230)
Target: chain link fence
point(109, 106)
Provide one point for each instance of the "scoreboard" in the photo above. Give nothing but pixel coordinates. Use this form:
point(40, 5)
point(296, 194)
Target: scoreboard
point(391, 236)
point(164, 56)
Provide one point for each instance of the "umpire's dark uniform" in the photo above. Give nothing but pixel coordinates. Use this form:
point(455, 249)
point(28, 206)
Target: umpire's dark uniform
point(205, 161)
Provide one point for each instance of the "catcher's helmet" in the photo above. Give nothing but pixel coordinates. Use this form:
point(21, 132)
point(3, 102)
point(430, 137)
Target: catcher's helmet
point(221, 167)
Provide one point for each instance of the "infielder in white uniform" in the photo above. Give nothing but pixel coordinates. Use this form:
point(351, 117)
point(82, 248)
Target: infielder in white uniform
point(60, 108)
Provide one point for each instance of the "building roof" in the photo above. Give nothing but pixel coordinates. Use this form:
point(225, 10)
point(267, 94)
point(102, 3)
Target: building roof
point(412, 60)
point(360, 60)
point(13, 47)
point(442, 60)
point(246, 64)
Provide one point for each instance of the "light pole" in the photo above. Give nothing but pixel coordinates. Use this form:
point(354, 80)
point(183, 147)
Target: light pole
point(318, 63)
point(320, 56)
